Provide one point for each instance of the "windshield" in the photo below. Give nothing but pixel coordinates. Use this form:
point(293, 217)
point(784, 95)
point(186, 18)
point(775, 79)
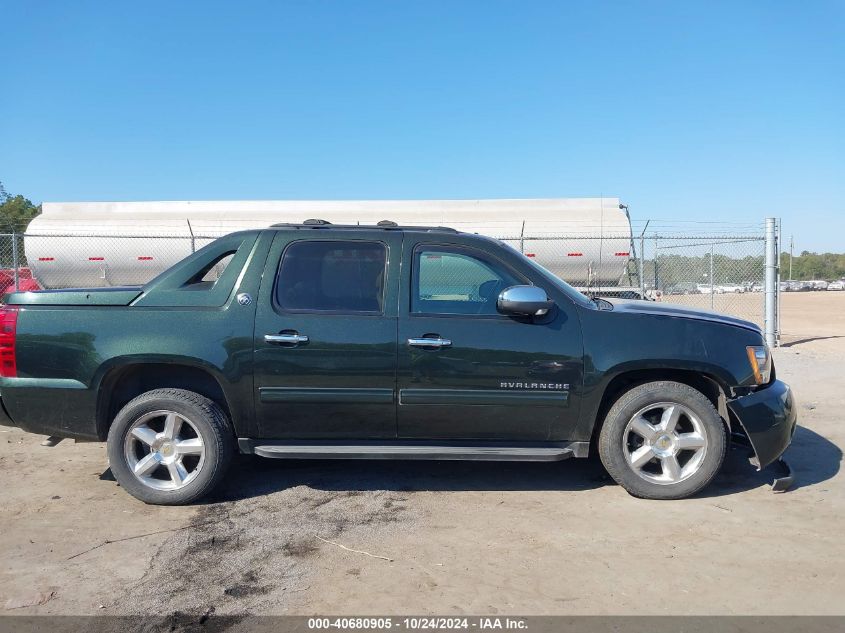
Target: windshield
point(560, 284)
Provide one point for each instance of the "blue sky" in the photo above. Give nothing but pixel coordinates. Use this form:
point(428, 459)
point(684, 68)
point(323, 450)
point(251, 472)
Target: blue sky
point(717, 111)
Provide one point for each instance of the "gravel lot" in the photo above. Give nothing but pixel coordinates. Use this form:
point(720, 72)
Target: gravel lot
point(462, 537)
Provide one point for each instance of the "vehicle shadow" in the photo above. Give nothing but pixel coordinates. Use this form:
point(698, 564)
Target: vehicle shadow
point(254, 476)
point(813, 458)
point(808, 340)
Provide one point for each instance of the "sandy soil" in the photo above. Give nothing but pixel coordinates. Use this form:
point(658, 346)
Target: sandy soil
point(462, 537)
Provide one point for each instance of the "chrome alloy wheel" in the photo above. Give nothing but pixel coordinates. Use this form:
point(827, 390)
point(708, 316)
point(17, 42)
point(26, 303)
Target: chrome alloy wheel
point(665, 443)
point(164, 450)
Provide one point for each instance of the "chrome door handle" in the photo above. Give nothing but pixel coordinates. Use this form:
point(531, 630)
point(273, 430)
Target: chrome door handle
point(293, 339)
point(429, 342)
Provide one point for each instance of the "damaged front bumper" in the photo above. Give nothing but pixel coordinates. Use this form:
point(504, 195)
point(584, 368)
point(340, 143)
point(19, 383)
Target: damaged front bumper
point(767, 418)
point(784, 479)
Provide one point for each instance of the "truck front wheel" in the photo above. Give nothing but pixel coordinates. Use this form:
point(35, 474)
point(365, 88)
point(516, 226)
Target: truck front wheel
point(170, 446)
point(662, 440)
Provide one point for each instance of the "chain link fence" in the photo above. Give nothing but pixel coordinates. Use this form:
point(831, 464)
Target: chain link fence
point(724, 273)
point(34, 262)
point(720, 273)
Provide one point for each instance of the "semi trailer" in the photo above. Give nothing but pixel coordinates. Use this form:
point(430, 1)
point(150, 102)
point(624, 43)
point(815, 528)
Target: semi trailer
point(585, 241)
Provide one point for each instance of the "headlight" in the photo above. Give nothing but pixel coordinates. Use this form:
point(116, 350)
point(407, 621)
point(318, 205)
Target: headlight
point(761, 363)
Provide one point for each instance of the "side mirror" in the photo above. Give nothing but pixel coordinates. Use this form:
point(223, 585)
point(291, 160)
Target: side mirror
point(524, 300)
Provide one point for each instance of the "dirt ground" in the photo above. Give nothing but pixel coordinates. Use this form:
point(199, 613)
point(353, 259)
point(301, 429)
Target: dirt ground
point(462, 538)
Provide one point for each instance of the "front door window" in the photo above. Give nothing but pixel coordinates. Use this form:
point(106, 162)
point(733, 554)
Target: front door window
point(453, 282)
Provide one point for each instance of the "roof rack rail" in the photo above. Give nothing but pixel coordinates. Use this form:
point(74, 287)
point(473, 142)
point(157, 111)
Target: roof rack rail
point(385, 225)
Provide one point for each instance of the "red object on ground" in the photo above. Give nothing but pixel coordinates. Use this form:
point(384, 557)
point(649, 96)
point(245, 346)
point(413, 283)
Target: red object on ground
point(26, 282)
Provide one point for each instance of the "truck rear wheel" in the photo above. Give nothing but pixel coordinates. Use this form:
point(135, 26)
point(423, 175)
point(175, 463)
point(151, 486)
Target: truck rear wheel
point(170, 446)
point(662, 440)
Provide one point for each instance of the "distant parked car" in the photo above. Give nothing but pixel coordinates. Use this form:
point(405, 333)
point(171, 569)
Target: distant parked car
point(836, 285)
point(796, 286)
point(724, 288)
point(683, 288)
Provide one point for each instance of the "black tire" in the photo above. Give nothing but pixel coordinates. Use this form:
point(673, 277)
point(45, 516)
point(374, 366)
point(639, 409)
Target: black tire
point(206, 422)
point(615, 445)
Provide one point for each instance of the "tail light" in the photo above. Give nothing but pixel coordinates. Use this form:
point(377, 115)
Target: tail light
point(8, 331)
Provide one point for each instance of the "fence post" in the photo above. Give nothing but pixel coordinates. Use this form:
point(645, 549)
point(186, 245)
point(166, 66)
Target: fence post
point(777, 281)
point(656, 280)
point(642, 267)
point(522, 238)
point(711, 278)
point(193, 239)
point(770, 314)
point(15, 260)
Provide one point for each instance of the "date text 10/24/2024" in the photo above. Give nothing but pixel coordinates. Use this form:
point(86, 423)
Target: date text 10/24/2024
point(418, 623)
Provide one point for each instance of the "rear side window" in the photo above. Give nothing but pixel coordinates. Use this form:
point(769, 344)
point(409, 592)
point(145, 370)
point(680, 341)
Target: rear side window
point(215, 271)
point(210, 274)
point(332, 276)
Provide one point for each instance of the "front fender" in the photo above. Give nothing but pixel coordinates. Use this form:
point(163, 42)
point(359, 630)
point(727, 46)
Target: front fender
point(650, 345)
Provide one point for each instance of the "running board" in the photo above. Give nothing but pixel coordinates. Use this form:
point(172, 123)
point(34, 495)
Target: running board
point(297, 450)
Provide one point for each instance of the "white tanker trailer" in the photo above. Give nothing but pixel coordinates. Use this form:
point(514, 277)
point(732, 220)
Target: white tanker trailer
point(586, 241)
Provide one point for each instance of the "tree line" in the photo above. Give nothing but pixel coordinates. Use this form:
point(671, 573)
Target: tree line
point(670, 270)
point(807, 265)
point(15, 212)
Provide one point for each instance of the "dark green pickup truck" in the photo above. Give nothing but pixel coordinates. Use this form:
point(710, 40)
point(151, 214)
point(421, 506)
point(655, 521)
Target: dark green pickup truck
point(324, 341)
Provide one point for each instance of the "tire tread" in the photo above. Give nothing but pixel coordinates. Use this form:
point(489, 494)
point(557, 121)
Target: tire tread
point(222, 437)
point(610, 450)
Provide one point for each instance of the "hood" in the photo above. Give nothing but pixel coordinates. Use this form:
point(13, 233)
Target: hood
point(684, 312)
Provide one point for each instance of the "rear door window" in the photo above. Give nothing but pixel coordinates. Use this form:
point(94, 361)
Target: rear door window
point(332, 276)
